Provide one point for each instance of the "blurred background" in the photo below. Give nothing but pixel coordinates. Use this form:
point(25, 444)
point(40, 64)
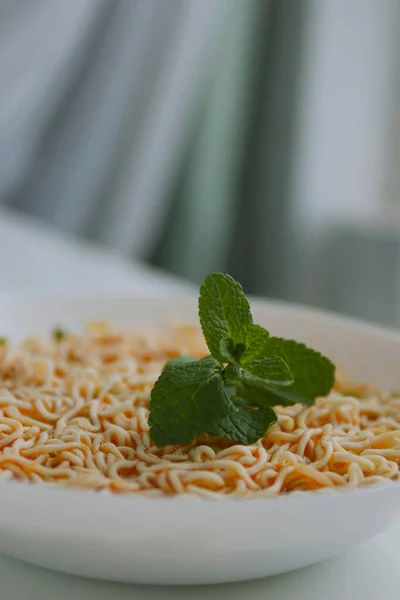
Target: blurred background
point(161, 138)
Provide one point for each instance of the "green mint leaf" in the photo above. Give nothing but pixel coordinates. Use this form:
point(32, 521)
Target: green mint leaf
point(256, 341)
point(255, 393)
point(59, 334)
point(3, 341)
point(186, 400)
point(244, 425)
point(271, 369)
point(225, 316)
point(263, 373)
point(313, 373)
point(179, 360)
point(259, 387)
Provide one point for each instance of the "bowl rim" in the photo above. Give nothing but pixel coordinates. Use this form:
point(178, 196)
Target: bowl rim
point(294, 308)
point(297, 308)
point(46, 491)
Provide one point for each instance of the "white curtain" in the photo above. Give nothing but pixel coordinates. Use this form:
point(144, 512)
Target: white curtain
point(97, 99)
point(345, 187)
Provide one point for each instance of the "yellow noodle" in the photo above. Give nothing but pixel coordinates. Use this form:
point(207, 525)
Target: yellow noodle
point(75, 413)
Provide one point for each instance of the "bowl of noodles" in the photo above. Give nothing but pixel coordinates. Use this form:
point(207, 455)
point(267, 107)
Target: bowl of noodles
point(84, 490)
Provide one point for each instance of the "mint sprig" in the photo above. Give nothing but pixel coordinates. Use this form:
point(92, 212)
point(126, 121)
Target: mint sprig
point(231, 393)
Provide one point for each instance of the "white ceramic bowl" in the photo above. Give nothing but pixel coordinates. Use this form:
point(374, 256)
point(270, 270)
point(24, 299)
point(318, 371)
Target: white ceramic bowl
point(187, 540)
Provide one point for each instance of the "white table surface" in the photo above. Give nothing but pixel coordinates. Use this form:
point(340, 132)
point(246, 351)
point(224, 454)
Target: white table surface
point(34, 258)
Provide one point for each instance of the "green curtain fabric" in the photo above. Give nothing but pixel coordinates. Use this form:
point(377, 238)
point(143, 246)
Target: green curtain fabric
point(231, 203)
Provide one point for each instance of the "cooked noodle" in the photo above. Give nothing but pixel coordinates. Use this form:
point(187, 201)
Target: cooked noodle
point(75, 412)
